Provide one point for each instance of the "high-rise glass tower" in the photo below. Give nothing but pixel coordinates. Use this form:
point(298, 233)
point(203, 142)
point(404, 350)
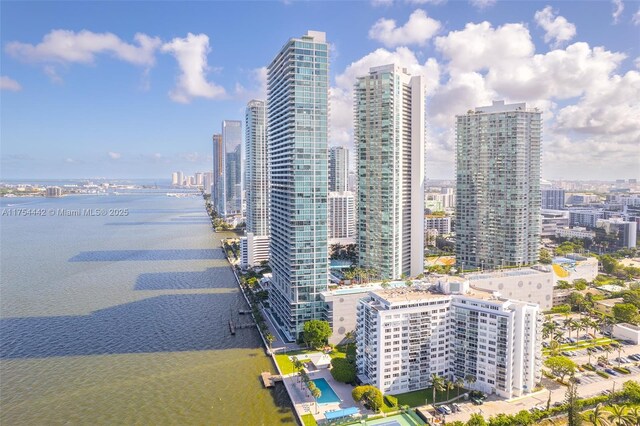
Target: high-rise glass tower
point(257, 170)
point(232, 140)
point(498, 186)
point(338, 169)
point(217, 188)
point(297, 109)
point(389, 139)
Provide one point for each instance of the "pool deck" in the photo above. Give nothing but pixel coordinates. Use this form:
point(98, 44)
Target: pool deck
point(304, 403)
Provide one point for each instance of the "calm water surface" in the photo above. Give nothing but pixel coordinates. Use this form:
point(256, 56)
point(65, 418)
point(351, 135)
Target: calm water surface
point(123, 320)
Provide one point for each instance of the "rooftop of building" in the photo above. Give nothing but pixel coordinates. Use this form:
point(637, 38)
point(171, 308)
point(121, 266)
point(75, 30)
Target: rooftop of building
point(410, 294)
point(517, 272)
point(629, 326)
point(611, 302)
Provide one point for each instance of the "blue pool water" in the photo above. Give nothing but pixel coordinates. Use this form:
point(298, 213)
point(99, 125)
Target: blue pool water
point(328, 394)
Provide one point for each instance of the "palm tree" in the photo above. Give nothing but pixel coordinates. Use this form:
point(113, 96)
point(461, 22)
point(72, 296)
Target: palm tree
point(470, 379)
point(459, 382)
point(634, 415)
point(619, 415)
point(385, 284)
point(270, 338)
point(437, 383)
point(589, 352)
point(316, 393)
point(554, 347)
point(448, 384)
point(350, 336)
point(608, 349)
point(602, 359)
point(619, 355)
point(548, 329)
point(598, 416)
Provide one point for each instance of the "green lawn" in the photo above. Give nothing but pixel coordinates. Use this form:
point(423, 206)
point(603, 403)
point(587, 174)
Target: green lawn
point(420, 397)
point(285, 364)
point(308, 420)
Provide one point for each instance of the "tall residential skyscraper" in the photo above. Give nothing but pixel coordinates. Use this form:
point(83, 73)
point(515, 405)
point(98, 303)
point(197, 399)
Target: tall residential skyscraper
point(389, 138)
point(338, 169)
point(217, 188)
point(297, 107)
point(498, 186)
point(232, 140)
point(257, 168)
point(254, 246)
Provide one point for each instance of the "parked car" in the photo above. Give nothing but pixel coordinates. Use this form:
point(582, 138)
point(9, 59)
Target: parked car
point(455, 407)
point(635, 357)
point(610, 371)
point(441, 409)
point(476, 401)
point(602, 364)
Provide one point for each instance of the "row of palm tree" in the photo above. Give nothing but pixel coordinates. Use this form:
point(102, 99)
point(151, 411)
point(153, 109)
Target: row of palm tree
point(363, 275)
point(440, 384)
point(305, 380)
point(614, 415)
point(550, 329)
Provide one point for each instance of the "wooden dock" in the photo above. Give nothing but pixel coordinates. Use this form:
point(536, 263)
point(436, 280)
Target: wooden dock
point(268, 379)
point(232, 327)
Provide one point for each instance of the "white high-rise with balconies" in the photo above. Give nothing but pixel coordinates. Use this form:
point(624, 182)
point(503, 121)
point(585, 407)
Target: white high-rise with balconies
point(389, 139)
point(255, 245)
point(498, 186)
point(405, 335)
point(297, 114)
point(338, 169)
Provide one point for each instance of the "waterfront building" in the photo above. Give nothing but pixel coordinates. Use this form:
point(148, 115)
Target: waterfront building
point(403, 336)
point(498, 186)
point(338, 169)
point(199, 178)
point(297, 114)
point(180, 178)
point(54, 191)
point(254, 247)
point(232, 140)
point(218, 197)
point(389, 139)
point(342, 222)
point(207, 182)
point(174, 178)
point(552, 198)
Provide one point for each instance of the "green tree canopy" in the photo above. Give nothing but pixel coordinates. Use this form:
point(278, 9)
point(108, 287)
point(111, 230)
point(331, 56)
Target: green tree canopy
point(545, 257)
point(476, 420)
point(369, 395)
point(316, 332)
point(560, 366)
point(626, 312)
point(342, 370)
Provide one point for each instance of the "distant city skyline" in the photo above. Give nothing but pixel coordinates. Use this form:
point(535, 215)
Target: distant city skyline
point(86, 94)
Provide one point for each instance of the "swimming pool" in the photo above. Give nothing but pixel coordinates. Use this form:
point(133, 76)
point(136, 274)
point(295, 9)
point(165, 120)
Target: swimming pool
point(328, 394)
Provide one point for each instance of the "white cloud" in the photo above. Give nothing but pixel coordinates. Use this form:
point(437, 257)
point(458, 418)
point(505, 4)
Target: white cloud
point(114, 155)
point(63, 46)
point(557, 29)
point(418, 30)
point(480, 46)
point(191, 54)
point(482, 4)
point(258, 85)
point(10, 84)
point(618, 7)
point(636, 17)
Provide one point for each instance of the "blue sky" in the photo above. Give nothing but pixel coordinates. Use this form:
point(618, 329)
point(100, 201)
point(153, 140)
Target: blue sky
point(81, 98)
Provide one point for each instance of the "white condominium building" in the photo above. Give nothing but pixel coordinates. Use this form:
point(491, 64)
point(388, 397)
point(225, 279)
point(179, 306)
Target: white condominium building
point(389, 139)
point(338, 169)
point(342, 211)
point(405, 335)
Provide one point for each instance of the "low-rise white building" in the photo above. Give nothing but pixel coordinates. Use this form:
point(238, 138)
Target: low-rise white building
point(575, 232)
point(405, 335)
point(253, 250)
point(552, 220)
point(342, 211)
point(440, 223)
point(626, 331)
point(574, 266)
